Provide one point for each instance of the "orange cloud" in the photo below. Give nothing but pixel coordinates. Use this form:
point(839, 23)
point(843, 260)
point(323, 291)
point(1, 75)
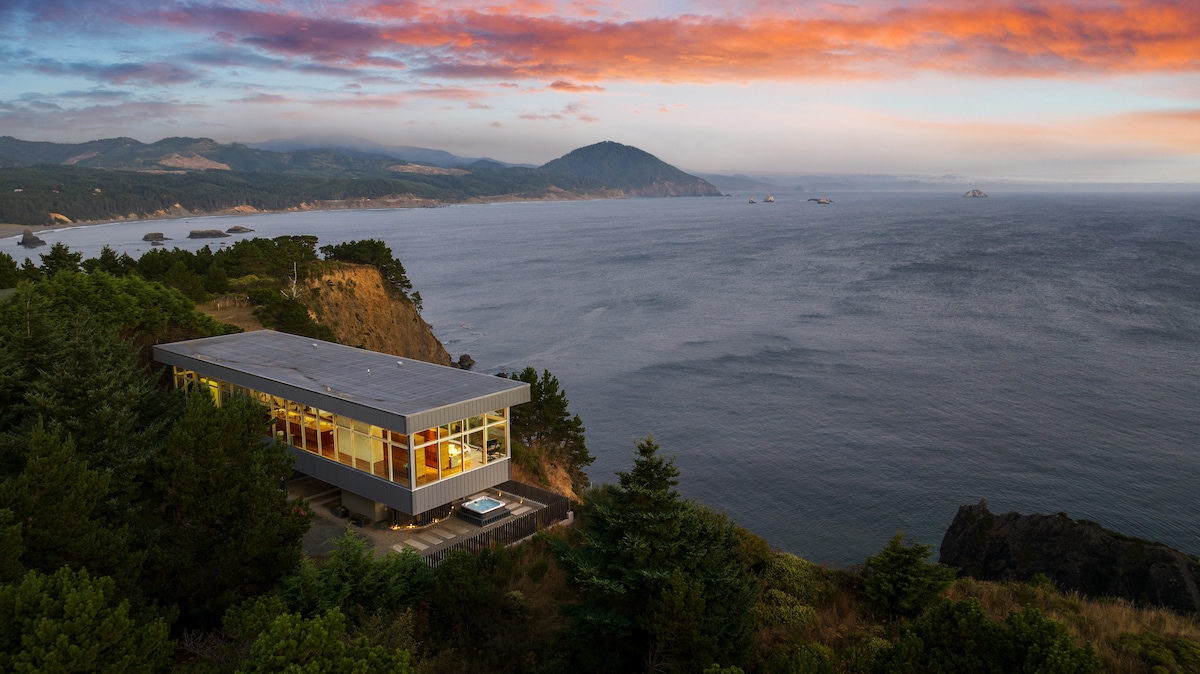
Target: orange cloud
point(563, 85)
point(576, 44)
point(1038, 38)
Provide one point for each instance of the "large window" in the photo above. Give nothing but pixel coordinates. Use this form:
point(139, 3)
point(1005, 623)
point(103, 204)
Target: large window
point(440, 452)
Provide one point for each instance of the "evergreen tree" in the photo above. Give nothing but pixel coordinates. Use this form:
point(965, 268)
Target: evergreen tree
point(110, 263)
point(11, 547)
point(899, 582)
point(137, 308)
point(87, 380)
point(10, 274)
point(355, 581)
point(56, 499)
point(220, 527)
point(60, 258)
point(72, 621)
point(545, 425)
point(663, 580)
point(294, 645)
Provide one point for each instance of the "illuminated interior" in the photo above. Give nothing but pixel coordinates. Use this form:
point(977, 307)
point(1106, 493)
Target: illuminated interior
point(441, 452)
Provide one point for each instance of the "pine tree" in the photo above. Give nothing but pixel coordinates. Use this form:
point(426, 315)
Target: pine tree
point(72, 621)
point(545, 425)
point(57, 501)
point(293, 645)
point(222, 527)
point(663, 579)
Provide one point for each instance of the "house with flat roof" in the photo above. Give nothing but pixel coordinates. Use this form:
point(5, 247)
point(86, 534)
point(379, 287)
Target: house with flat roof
point(390, 432)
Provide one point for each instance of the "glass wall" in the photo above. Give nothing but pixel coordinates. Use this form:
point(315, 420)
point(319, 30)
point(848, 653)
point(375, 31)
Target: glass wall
point(441, 452)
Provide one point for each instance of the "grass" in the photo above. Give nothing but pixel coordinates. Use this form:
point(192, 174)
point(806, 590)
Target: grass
point(1105, 623)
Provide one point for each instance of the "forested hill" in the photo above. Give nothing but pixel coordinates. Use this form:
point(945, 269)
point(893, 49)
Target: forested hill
point(609, 165)
point(121, 178)
point(180, 155)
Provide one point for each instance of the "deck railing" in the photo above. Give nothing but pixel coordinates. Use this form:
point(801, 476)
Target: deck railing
point(516, 528)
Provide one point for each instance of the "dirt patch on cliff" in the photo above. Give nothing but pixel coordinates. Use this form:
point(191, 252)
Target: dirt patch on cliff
point(365, 311)
point(234, 310)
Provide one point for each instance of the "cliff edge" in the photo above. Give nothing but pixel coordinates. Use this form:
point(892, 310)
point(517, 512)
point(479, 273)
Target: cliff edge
point(365, 311)
point(1076, 554)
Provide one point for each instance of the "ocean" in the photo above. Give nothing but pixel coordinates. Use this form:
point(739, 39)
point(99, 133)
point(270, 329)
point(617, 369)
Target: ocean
point(831, 374)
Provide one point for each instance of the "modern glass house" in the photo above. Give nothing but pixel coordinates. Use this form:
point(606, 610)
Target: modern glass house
point(390, 432)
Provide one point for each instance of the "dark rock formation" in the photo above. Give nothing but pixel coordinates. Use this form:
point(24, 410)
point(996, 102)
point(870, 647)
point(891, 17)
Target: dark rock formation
point(238, 229)
point(154, 236)
point(1076, 554)
point(29, 240)
point(822, 200)
point(975, 194)
point(206, 234)
point(465, 362)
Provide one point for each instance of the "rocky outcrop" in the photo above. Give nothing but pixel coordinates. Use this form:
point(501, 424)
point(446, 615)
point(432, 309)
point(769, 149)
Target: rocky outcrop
point(822, 200)
point(1076, 554)
point(238, 229)
point(29, 240)
point(154, 236)
point(365, 310)
point(206, 234)
point(975, 194)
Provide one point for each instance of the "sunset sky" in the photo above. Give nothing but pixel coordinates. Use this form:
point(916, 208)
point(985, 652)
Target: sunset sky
point(1038, 89)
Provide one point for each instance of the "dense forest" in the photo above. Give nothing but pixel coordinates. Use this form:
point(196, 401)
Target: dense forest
point(120, 178)
point(144, 530)
point(28, 195)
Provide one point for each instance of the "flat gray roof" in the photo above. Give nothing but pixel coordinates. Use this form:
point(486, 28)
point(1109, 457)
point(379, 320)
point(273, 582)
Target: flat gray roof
point(401, 394)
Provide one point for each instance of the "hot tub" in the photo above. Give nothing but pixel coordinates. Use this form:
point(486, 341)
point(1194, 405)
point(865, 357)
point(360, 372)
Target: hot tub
point(483, 510)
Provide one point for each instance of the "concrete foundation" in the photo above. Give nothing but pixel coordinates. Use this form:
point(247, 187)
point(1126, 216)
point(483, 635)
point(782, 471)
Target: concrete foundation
point(364, 506)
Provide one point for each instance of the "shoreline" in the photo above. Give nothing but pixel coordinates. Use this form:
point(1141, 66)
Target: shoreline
point(8, 230)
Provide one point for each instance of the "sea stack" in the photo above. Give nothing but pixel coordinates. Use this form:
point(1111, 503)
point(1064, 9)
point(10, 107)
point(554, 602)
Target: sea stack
point(29, 240)
point(975, 194)
point(206, 234)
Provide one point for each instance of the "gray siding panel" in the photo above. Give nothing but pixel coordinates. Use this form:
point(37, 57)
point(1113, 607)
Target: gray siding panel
point(468, 408)
point(354, 480)
point(460, 486)
point(397, 496)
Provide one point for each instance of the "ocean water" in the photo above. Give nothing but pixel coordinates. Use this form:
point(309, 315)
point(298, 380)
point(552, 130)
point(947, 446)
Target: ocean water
point(829, 375)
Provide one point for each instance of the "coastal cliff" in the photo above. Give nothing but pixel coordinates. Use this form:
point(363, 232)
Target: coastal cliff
point(365, 311)
point(1076, 554)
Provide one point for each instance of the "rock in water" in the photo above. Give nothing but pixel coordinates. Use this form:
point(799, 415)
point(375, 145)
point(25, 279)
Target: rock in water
point(154, 236)
point(238, 229)
point(206, 234)
point(1076, 554)
point(975, 194)
point(29, 240)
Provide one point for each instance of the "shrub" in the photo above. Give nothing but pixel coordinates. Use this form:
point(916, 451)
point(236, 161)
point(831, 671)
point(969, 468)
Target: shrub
point(899, 582)
point(957, 638)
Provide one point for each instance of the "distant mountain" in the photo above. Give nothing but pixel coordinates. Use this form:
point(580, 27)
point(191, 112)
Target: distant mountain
point(122, 179)
point(354, 145)
point(740, 182)
point(180, 155)
point(633, 172)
